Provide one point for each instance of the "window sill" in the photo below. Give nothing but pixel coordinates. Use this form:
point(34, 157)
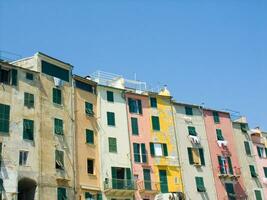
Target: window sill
point(92, 175)
point(58, 105)
point(90, 145)
point(112, 126)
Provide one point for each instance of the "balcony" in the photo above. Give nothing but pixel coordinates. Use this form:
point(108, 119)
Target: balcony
point(119, 187)
point(148, 187)
point(227, 174)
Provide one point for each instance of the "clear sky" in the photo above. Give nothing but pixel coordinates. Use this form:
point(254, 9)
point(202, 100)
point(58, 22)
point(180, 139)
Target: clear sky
point(212, 52)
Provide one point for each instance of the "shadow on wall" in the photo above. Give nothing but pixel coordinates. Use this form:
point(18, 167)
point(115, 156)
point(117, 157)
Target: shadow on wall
point(26, 189)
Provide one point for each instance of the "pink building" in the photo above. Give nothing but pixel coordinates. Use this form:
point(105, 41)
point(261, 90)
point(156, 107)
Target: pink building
point(139, 129)
point(259, 142)
point(226, 169)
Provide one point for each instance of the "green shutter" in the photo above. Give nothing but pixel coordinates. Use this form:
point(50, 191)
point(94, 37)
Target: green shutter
point(136, 148)
point(134, 122)
point(29, 76)
point(221, 165)
point(247, 148)
point(243, 128)
point(89, 110)
point(190, 156)
point(114, 177)
point(200, 184)
point(163, 181)
point(188, 110)
point(99, 196)
point(216, 117)
point(147, 179)
point(259, 151)
point(4, 118)
point(143, 151)
point(111, 118)
point(131, 105)
point(152, 150)
point(59, 159)
point(89, 136)
point(110, 96)
point(14, 77)
point(230, 165)
point(165, 150)
point(112, 145)
point(55, 71)
point(56, 96)
point(265, 171)
point(153, 102)
point(28, 127)
point(140, 109)
point(28, 100)
point(230, 191)
point(265, 152)
point(129, 179)
point(219, 134)
point(88, 195)
point(58, 126)
point(201, 155)
point(192, 130)
point(258, 195)
point(61, 194)
point(252, 171)
point(155, 123)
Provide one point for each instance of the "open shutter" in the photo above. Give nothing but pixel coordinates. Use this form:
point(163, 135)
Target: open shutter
point(143, 150)
point(219, 134)
point(192, 130)
point(200, 184)
point(152, 150)
point(247, 148)
point(252, 171)
point(190, 156)
point(140, 106)
point(134, 123)
point(230, 165)
point(220, 164)
point(258, 195)
point(129, 178)
point(14, 77)
point(165, 150)
point(131, 105)
point(201, 154)
point(136, 148)
point(259, 151)
point(99, 196)
point(114, 177)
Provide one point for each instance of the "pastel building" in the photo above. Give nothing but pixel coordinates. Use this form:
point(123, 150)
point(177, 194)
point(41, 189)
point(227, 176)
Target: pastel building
point(194, 153)
point(116, 169)
point(224, 158)
point(87, 139)
point(54, 126)
point(247, 157)
point(259, 146)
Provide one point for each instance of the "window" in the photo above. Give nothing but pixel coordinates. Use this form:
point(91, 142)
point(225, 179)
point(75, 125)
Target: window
point(219, 135)
point(225, 165)
point(61, 193)
point(200, 184)
point(84, 86)
point(58, 126)
point(252, 171)
point(265, 171)
point(153, 102)
point(229, 187)
point(111, 118)
point(135, 106)
point(28, 127)
point(134, 122)
point(89, 109)
point(59, 159)
point(56, 71)
point(57, 96)
point(216, 117)
point(8, 76)
point(188, 110)
point(90, 166)
point(157, 149)
point(155, 123)
point(29, 76)
point(247, 148)
point(112, 143)
point(89, 136)
point(1, 187)
point(23, 156)
point(140, 152)
point(258, 194)
point(260, 151)
point(243, 128)
point(192, 131)
point(4, 118)
point(28, 100)
point(110, 96)
point(196, 156)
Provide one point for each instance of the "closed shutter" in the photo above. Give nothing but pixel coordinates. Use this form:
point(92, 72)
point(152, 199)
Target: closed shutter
point(201, 155)
point(28, 126)
point(247, 148)
point(147, 179)
point(143, 151)
point(221, 165)
point(219, 134)
point(29, 76)
point(58, 126)
point(152, 149)
point(140, 110)
point(89, 136)
point(14, 77)
point(165, 150)
point(111, 118)
point(192, 130)
point(216, 117)
point(61, 194)
point(112, 145)
point(4, 118)
point(56, 96)
point(99, 196)
point(188, 110)
point(258, 195)
point(131, 105)
point(190, 155)
point(136, 148)
point(153, 102)
point(28, 100)
point(134, 123)
point(200, 184)
point(230, 191)
point(110, 96)
point(129, 179)
point(230, 165)
point(252, 171)
point(265, 171)
point(155, 123)
point(259, 151)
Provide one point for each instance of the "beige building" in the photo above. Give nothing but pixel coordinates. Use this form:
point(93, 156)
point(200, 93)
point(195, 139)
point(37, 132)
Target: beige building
point(56, 127)
point(87, 139)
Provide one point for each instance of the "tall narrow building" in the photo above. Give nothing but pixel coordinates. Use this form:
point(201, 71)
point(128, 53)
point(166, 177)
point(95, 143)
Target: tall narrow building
point(224, 158)
point(55, 126)
point(247, 159)
point(194, 152)
point(87, 139)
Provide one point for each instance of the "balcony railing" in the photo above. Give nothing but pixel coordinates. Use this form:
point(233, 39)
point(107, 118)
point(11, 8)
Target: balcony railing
point(148, 186)
point(119, 184)
point(224, 172)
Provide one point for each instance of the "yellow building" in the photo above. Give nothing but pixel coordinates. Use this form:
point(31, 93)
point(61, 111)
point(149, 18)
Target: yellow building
point(86, 133)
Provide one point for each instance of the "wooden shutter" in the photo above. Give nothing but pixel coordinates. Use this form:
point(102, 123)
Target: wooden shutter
point(190, 156)
point(136, 148)
point(153, 102)
point(56, 96)
point(112, 145)
point(230, 165)
point(14, 73)
point(61, 194)
point(188, 110)
point(155, 123)
point(219, 134)
point(28, 126)
point(140, 109)
point(143, 151)
point(265, 171)
point(259, 151)
point(221, 165)
point(200, 184)
point(110, 96)
point(58, 126)
point(216, 117)
point(152, 150)
point(258, 195)
point(89, 136)
point(201, 155)
point(131, 105)
point(252, 171)
point(247, 148)
point(111, 118)
point(165, 149)
point(4, 118)
point(192, 130)
point(134, 122)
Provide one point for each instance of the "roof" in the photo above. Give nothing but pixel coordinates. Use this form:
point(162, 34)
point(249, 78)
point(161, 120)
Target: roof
point(15, 66)
point(53, 58)
point(83, 79)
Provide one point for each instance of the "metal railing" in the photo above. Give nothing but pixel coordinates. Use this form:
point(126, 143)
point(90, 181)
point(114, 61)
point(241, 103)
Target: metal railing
point(148, 186)
point(120, 184)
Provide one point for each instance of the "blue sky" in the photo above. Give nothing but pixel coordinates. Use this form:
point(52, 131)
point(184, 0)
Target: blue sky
point(211, 52)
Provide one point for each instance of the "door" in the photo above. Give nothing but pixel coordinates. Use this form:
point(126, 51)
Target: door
point(163, 181)
point(147, 179)
point(120, 178)
point(230, 191)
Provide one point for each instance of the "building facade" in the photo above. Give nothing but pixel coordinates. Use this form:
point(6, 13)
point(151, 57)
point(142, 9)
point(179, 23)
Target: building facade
point(224, 158)
point(194, 152)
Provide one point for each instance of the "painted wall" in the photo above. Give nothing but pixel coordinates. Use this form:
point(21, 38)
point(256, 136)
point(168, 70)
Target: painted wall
point(189, 172)
point(86, 182)
point(245, 160)
point(226, 126)
point(166, 135)
point(119, 131)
